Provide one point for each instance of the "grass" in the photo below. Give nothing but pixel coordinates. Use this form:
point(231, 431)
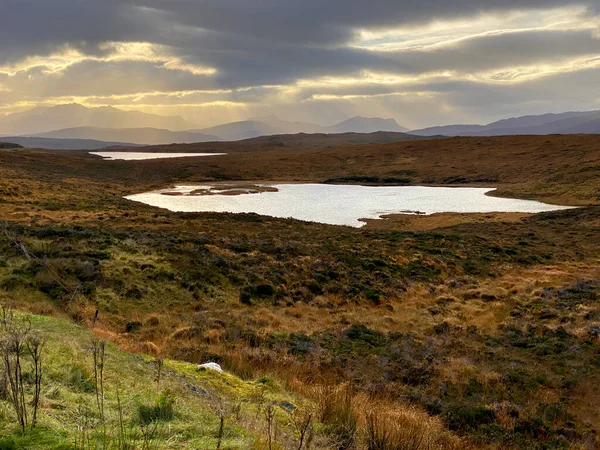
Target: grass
point(459, 304)
point(68, 392)
point(180, 412)
point(184, 411)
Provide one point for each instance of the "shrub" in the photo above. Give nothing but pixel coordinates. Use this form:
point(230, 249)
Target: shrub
point(162, 410)
point(80, 379)
point(461, 417)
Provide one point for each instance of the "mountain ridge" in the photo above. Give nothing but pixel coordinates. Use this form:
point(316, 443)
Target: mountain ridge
point(142, 136)
point(271, 125)
point(44, 119)
point(75, 121)
point(65, 144)
point(572, 122)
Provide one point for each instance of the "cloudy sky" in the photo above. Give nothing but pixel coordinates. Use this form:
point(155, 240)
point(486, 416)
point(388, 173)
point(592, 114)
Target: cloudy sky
point(424, 62)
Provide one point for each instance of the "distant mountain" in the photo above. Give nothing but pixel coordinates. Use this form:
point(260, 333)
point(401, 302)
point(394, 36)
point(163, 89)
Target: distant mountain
point(74, 121)
point(566, 123)
point(237, 131)
point(322, 139)
point(146, 136)
point(365, 125)
point(44, 119)
point(289, 127)
point(271, 125)
point(65, 144)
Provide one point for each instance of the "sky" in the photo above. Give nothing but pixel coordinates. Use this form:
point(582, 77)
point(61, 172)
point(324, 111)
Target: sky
point(423, 63)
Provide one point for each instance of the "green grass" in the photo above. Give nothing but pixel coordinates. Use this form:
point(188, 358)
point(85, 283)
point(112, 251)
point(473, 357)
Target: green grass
point(68, 404)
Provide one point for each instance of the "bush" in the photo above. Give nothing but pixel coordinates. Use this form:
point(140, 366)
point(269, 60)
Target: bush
point(80, 379)
point(460, 417)
point(163, 409)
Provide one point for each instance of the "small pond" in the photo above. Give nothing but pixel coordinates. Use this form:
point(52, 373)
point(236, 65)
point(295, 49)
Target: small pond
point(334, 204)
point(140, 156)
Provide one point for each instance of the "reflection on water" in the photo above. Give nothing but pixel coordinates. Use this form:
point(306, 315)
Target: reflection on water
point(335, 204)
point(139, 156)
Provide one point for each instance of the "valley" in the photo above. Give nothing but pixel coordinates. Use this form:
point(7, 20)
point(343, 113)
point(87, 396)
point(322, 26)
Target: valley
point(474, 331)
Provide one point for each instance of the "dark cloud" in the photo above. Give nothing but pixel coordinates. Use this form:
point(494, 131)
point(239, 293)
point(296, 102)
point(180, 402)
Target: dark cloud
point(254, 43)
point(36, 26)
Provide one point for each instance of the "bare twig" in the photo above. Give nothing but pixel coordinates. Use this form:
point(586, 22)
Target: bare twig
point(98, 354)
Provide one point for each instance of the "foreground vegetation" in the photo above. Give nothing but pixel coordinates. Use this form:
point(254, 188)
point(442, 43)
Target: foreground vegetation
point(478, 333)
point(94, 395)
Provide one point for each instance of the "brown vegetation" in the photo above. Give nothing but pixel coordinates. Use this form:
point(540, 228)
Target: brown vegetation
point(483, 326)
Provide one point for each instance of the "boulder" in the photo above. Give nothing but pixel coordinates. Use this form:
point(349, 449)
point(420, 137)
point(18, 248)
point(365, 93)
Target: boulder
point(210, 366)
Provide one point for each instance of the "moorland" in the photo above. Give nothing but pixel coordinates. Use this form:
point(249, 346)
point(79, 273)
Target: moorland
point(439, 332)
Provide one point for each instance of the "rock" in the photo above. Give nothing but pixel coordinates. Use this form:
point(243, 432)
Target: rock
point(287, 406)
point(210, 366)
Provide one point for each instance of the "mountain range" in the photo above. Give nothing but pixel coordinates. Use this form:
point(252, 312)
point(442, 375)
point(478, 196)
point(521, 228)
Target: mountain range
point(44, 119)
point(271, 125)
point(144, 136)
point(72, 125)
point(64, 144)
point(566, 123)
point(74, 121)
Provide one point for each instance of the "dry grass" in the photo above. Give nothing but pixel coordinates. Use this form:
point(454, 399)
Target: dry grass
point(362, 422)
point(193, 317)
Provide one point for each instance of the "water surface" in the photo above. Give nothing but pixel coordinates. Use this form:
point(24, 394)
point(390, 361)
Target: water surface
point(337, 204)
point(139, 156)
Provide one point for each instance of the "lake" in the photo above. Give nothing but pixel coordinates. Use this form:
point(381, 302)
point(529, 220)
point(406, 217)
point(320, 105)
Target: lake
point(335, 204)
point(140, 156)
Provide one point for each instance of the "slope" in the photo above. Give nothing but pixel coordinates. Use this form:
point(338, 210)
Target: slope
point(336, 139)
point(141, 403)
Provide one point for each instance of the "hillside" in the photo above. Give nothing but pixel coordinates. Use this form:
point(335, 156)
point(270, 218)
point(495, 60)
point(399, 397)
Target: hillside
point(336, 139)
point(477, 333)
point(171, 405)
point(143, 136)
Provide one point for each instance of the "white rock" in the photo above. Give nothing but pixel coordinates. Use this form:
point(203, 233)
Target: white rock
point(210, 366)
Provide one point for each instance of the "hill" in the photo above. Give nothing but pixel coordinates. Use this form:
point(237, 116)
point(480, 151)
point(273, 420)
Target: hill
point(289, 142)
point(44, 119)
point(66, 144)
point(5, 145)
point(337, 139)
point(365, 125)
point(141, 399)
point(565, 123)
point(142, 136)
point(271, 125)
